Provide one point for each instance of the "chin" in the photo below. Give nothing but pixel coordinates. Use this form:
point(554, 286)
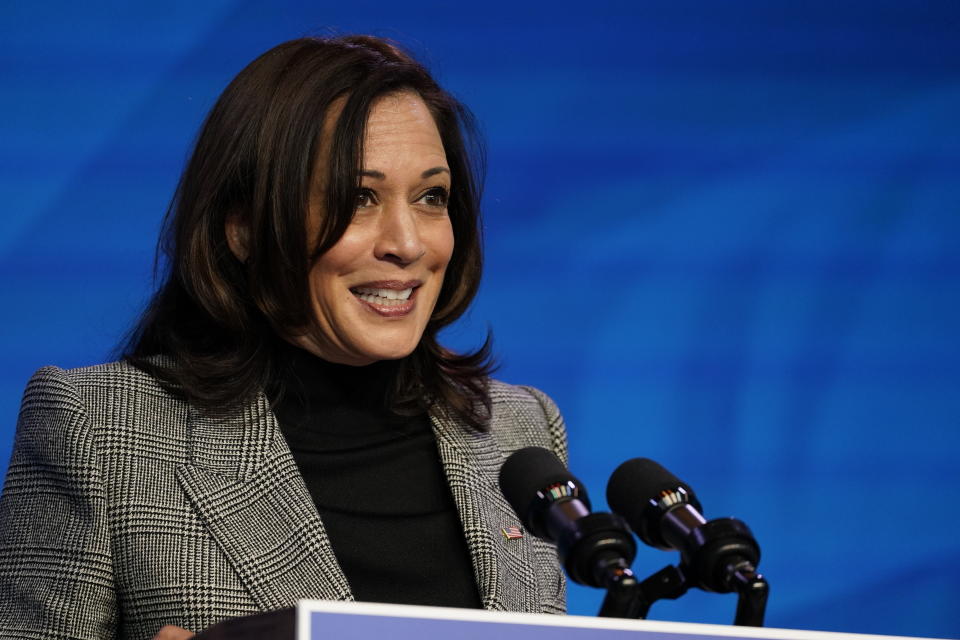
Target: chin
point(385, 352)
point(387, 343)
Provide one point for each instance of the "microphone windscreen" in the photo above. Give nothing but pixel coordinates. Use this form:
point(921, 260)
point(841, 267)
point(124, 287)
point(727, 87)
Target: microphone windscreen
point(528, 471)
point(638, 481)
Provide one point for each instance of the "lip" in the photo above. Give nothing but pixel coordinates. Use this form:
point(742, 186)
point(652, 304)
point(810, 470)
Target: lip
point(394, 310)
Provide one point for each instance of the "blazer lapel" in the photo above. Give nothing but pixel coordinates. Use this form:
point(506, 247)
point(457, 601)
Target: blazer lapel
point(503, 566)
point(243, 481)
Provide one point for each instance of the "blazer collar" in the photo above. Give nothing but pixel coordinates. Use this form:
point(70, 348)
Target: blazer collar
point(504, 566)
point(244, 482)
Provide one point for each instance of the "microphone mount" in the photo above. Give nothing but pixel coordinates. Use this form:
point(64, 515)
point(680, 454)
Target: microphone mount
point(719, 556)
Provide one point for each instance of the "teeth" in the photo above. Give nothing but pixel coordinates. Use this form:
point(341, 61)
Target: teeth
point(389, 297)
point(383, 302)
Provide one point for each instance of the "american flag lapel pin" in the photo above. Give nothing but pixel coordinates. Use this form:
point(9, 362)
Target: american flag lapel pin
point(512, 533)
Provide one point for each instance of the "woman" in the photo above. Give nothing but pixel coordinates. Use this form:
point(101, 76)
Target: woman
point(285, 423)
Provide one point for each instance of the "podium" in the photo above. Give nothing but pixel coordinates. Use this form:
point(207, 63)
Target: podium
point(323, 619)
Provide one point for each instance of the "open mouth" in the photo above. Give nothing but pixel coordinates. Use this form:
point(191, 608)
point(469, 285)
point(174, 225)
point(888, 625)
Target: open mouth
point(388, 298)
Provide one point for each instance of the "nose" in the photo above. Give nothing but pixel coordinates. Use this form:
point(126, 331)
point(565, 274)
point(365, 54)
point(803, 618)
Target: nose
point(399, 239)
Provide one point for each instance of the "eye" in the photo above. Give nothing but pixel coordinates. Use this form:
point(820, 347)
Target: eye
point(364, 198)
point(436, 197)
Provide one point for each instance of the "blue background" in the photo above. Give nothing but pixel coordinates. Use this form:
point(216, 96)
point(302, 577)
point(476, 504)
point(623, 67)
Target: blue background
point(724, 235)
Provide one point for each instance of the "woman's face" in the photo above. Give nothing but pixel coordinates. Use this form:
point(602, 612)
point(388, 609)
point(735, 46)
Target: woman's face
point(374, 291)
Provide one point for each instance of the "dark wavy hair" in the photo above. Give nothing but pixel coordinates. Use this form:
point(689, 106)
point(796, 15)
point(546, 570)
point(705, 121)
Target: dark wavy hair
point(218, 320)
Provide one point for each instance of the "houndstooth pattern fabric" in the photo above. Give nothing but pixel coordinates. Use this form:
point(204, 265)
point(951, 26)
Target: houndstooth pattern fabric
point(125, 509)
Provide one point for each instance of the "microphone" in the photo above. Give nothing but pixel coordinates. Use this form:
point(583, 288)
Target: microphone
point(596, 549)
point(718, 555)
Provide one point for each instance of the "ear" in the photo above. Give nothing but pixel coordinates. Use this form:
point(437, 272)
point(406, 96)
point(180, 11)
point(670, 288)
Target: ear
point(237, 236)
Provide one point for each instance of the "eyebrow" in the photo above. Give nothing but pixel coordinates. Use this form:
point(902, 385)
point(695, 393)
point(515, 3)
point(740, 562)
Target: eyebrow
point(379, 175)
point(434, 171)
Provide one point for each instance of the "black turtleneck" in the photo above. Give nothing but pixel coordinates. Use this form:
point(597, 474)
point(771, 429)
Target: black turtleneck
point(377, 481)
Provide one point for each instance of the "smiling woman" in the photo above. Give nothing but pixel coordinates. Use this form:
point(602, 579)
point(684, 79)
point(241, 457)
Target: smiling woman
point(318, 154)
point(325, 229)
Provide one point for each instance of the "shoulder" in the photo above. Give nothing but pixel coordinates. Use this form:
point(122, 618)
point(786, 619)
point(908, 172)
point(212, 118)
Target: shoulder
point(89, 383)
point(523, 416)
point(510, 402)
point(109, 396)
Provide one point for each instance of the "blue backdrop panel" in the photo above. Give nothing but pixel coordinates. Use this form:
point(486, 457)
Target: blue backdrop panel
point(722, 235)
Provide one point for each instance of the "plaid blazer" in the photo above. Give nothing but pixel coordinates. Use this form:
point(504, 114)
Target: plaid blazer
point(125, 509)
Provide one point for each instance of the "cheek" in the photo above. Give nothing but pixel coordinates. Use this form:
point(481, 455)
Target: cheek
point(340, 259)
point(443, 244)
point(326, 284)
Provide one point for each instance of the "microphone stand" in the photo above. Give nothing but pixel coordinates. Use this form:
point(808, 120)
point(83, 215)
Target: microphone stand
point(631, 598)
point(752, 591)
point(720, 556)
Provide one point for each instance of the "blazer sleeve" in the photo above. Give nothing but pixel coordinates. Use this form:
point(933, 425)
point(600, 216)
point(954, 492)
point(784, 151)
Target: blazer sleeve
point(556, 428)
point(56, 573)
